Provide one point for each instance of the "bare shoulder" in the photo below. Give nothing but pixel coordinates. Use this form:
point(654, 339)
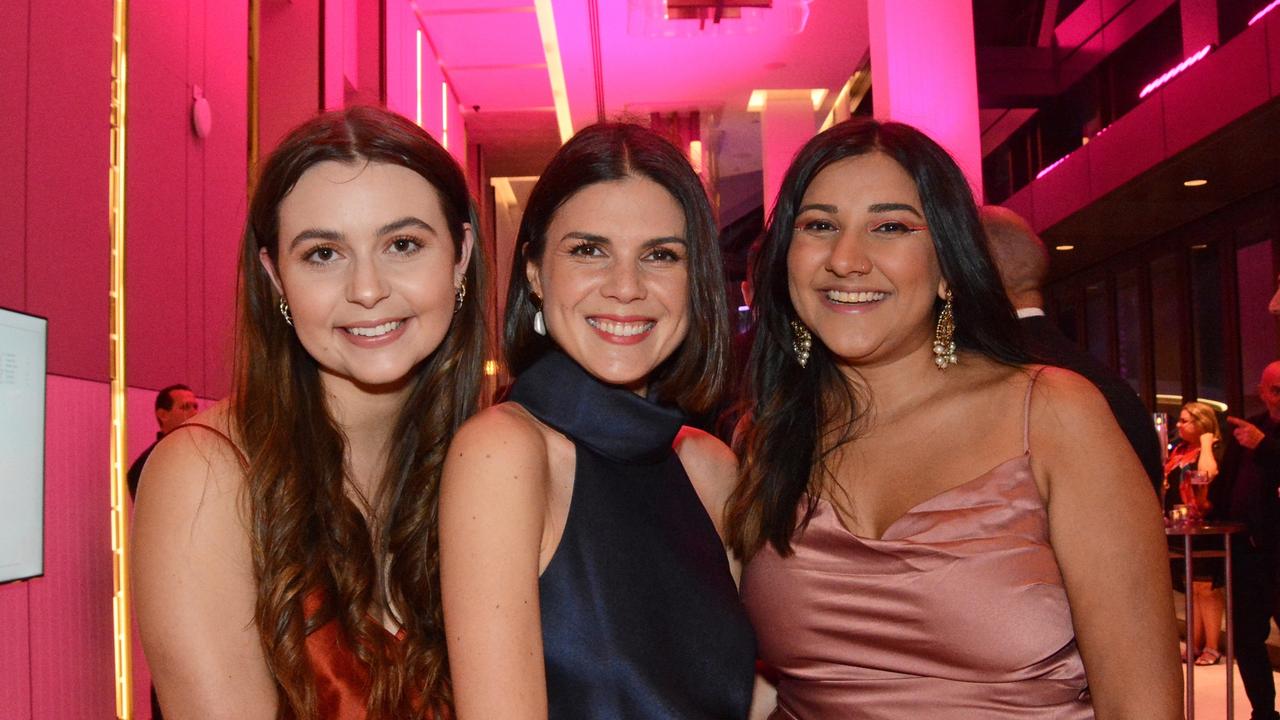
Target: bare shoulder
point(498, 434)
point(712, 469)
point(1062, 398)
point(198, 459)
point(700, 451)
point(498, 463)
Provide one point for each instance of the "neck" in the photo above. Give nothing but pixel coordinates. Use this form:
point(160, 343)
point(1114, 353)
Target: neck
point(897, 383)
point(1027, 299)
point(367, 417)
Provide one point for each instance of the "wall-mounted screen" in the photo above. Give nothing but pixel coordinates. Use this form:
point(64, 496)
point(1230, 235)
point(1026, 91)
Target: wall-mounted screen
point(23, 343)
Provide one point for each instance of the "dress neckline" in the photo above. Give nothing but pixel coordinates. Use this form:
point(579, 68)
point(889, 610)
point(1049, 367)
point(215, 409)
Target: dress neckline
point(923, 504)
point(611, 421)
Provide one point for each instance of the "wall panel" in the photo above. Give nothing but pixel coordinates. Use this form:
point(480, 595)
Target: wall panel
point(70, 607)
point(67, 254)
point(13, 143)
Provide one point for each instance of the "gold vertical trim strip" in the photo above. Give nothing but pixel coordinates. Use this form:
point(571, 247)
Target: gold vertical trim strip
point(116, 346)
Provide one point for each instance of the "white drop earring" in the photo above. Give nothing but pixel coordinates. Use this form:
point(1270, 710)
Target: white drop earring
point(539, 323)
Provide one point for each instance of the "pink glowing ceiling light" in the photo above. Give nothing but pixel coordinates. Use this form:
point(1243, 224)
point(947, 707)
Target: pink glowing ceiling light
point(649, 18)
point(1174, 71)
point(1264, 11)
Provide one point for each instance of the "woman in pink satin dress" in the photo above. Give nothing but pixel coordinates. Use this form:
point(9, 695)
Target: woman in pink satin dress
point(935, 527)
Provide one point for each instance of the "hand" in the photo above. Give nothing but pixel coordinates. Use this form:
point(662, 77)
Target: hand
point(1247, 434)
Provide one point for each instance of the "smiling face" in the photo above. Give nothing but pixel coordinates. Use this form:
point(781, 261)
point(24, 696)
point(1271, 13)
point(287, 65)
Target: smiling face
point(861, 269)
point(614, 279)
point(369, 269)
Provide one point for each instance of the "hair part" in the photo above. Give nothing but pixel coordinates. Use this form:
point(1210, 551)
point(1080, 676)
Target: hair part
point(692, 377)
point(309, 540)
point(803, 415)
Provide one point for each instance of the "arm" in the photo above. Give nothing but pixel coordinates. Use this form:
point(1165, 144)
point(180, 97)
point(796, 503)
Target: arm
point(1207, 463)
point(1106, 534)
point(194, 591)
point(713, 470)
point(493, 508)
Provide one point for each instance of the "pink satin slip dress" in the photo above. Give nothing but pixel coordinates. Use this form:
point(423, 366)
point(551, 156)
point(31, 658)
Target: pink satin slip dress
point(959, 611)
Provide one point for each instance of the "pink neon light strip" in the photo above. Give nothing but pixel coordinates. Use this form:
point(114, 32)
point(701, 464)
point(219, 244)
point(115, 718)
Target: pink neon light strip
point(1052, 165)
point(1264, 11)
point(1175, 70)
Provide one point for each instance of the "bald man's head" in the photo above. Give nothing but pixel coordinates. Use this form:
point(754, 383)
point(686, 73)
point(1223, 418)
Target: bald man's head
point(1020, 256)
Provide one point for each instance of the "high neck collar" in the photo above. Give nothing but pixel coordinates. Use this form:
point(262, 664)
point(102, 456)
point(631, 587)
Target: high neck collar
point(612, 421)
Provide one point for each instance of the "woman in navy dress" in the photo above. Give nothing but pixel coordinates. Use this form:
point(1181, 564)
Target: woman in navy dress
point(582, 565)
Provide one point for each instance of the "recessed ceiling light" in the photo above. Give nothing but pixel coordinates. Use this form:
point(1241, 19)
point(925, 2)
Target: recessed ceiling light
point(1064, 248)
point(1199, 247)
point(1197, 182)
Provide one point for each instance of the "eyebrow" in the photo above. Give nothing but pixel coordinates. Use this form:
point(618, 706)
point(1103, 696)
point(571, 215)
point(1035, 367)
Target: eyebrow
point(875, 208)
point(334, 235)
point(592, 237)
point(890, 207)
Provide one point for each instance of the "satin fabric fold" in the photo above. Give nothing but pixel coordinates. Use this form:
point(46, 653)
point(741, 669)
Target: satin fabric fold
point(959, 611)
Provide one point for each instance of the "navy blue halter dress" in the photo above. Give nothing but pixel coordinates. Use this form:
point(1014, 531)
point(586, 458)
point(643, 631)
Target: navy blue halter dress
point(640, 615)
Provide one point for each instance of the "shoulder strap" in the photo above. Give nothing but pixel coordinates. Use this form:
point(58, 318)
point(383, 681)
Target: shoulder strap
point(1026, 411)
point(244, 461)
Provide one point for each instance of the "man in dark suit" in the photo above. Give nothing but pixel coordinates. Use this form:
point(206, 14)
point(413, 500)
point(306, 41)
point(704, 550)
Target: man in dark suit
point(1023, 262)
point(1251, 478)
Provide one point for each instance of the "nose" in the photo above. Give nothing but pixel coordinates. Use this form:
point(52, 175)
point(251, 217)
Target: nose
point(367, 286)
point(848, 256)
point(624, 282)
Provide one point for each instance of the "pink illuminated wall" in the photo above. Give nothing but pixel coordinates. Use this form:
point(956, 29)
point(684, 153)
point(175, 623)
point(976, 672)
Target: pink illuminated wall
point(55, 631)
point(415, 83)
point(186, 194)
point(922, 55)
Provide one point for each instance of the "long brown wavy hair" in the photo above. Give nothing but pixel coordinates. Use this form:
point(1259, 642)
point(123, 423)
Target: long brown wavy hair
point(308, 538)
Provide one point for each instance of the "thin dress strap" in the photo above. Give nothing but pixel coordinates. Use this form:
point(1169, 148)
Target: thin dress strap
point(244, 461)
point(1026, 412)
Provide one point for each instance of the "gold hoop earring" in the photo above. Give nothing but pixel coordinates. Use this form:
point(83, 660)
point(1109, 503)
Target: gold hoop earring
point(801, 342)
point(284, 310)
point(460, 294)
point(944, 345)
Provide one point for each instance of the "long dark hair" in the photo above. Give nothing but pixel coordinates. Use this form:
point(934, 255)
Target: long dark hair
point(802, 415)
point(691, 377)
point(309, 540)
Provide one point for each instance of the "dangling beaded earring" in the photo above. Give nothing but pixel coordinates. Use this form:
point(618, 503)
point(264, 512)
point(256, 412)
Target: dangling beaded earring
point(801, 342)
point(539, 324)
point(944, 345)
point(460, 295)
point(284, 310)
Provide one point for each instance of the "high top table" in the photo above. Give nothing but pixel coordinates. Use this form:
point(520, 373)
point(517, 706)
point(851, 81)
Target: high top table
point(1187, 531)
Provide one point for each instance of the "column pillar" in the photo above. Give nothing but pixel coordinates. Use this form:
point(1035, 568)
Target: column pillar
point(923, 73)
point(786, 123)
point(1199, 25)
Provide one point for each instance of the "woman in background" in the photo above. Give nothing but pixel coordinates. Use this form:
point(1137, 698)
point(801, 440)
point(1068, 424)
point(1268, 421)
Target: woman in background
point(924, 538)
point(285, 557)
point(583, 569)
point(1199, 447)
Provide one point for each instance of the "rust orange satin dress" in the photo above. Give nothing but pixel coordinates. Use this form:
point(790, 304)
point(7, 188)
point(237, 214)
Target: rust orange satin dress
point(342, 681)
point(958, 612)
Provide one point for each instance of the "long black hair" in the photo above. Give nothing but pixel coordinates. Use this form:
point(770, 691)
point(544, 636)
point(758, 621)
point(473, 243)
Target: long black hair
point(801, 415)
point(692, 377)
